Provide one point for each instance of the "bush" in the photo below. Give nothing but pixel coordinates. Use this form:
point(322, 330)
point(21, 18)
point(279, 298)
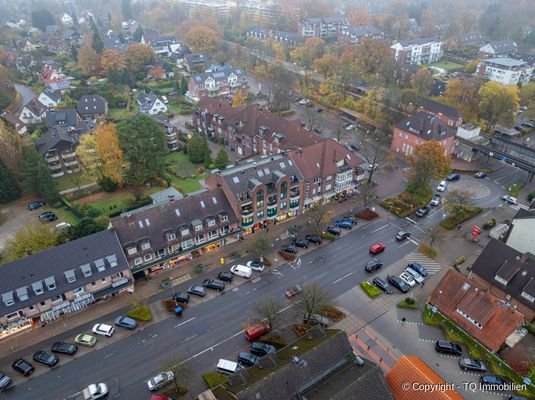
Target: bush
point(452, 221)
point(107, 185)
point(408, 303)
point(326, 235)
point(530, 326)
point(333, 313)
point(427, 251)
point(214, 379)
point(458, 261)
point(366, 215)
point(531, 196)
point(515, 188)
point(287, 256)
point(169, 305)
point(370, 289)
point(140, 313)
point(274, 340)
point(489, 224)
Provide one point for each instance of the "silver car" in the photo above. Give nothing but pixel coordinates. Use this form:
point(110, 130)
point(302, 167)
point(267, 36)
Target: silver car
point(160, 380)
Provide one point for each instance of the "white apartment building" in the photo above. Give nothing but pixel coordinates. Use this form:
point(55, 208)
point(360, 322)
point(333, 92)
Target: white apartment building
point(505, 70)
point(418, 51)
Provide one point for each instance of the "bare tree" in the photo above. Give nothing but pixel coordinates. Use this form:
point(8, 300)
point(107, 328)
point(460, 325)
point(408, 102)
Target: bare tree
point(311, 117)
point(372, 152)
point(458, 202)
point(366, 193)
point(434, 234)
point(269, 310)
point(279, 90)
point(180, 370)
point(319, 214)
point(314, 298)
point(259, 245)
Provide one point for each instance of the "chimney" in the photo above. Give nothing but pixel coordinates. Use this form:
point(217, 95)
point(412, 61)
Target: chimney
point(171, 198)
point(129, 219)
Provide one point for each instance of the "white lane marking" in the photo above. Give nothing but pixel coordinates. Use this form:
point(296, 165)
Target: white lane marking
point(378, 229)
point(405, 243)
point(343, 277)
point(414, 241)
point(108, 356)
point(185, 322)
point(211, 348)
point(411, 220)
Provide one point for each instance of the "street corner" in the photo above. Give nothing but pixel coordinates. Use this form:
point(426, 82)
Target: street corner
point(478, 188)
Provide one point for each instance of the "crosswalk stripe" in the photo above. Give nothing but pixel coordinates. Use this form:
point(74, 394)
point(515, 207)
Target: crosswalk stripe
point(430, 265)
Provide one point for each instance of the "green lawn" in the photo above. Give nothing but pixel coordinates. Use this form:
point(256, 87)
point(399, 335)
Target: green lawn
point(65, 216)
point(447, 65)
point(69, 181)
point(180, 163)
point(113, 202)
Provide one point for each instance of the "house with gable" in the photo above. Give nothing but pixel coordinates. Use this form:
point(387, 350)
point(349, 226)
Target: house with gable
point(216, 83)
point(15, 122)
point(62, 117)
point(520, 235)
point(322, 26)
point(196, 61)
point(49, 98)
point(58, 146)
point(150, 104)
point(448, 115)
point(499, 48)
point(92, 107)
point(352, 34)
point(54, 79)
point(66, 19)
point(33, 112)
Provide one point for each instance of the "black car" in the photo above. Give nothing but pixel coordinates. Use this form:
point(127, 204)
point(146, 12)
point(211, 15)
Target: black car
point(472, 365)
point(418, 268)
point(42, 357)
point(35, 205)
point(5, 381)
point(48, 216)
point(480, 175)
point(334, 231)
point(261, 349)
point(402, 235)
point(383, 285)
point(319, 109)
point(197, 290)
point(422, 212)
point(490, 381)
point(398, 283)
point(443, 346)
point(214, 284)
point(453, 177)
point(181, 298)
point(317, 130)
point(351, 219)
point(289, 249)
point(64, 348)
point(247, 359)
point(303, 243)
point(225, 276)
point(313, 239)
point(373, 265)
point(354, 147)
point(23, 367)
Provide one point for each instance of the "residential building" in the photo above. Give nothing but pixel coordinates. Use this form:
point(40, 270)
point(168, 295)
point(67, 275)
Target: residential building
point(420, 128)
point(61, 280)
point(216, 84)
point(92, 107)
point(170, 131)
point(472, 39)
point(196, 61)
point(318, 366)
point(150, 104)
point(15, 122)
point(58, 146)
point(218, 7)
point(62, 117)
point(33, 112)
point(166, 196)
point(266, 13)
point(329, 169)
point(261, 191)
point(352, 34)
point(53, 79)
point(66, 19)
point(113, 42)
point(520, 236)
point(499, 48)
point(448, 115)
point(49, 99)
point(508, 275)
point(322, 26)
point(287, 39)
point(505, 70)
point(251, 130)
point(418, 51)
point(160, 236)
point(413, 369)
point(483, 316)
point(161, 44)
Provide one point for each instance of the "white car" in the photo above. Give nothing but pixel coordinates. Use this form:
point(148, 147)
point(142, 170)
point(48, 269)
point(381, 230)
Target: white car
point(407, 278)
point(436, 200)
point(442, 186)
point(256, 265)
point(165, 100)
point(104, 330)
point(304, 102)
point(510, 199)
point(350, 127)
point(160, 380)
point(417, 277)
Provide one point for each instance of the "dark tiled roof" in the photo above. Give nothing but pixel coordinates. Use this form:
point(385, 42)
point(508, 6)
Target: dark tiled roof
point(218, 76)
point(36, 107)
point(503, 46)
point(436, 107)
point(524, 214)
point(197, 58)
point(365, 30)
point(54, 262)
point(57, 137)
point(13, 120)
point(472, 38)
point(91, 104)
point(53, 95)
point(426, 126)
point(146, 101)
point(63, 117)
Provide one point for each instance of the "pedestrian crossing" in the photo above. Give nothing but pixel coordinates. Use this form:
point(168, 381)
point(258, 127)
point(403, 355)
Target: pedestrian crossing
point(433, 267)
point(519, 206)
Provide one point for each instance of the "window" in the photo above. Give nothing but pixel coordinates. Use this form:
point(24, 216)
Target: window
point(328, 187)
point(283, 205)
point(103, 280)
point(329, 178)
point(284, 190)
point(57, 298)
point(260, 199)
point(171, 236)
point(187, 243)
point(145, 246)
point(198, 227)
point(200, 239)
point(30, 308)
point(211, 222)
point(93, 284)
point(42, 304)
point(131, 251)
point(75, 291)
point(184, 232)
point(160, 253)
point(260, 214)
point(138, 260)
point(147, 257)
point(317, 180)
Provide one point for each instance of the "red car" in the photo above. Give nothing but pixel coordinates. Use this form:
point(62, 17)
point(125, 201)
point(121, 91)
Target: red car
point(377, 248)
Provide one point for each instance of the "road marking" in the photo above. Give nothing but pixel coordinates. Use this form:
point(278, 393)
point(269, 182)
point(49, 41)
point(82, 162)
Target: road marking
point(276, 272)
point(188, 339)
point(404, 244)
point(211, 348)
point(108, 356)
point(343, 277)
point(414, 241)
point(185, 322)
point(378, 229)
point(411, 220)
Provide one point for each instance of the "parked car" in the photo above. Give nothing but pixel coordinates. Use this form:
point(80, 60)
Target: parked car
point(247, 359)
point(349, 127)
point(23, 367)
point(351, 219)
point(510, 199)
point(160, 380)
point(407, 278)
point(181, 298)
point(241, 270)
point(339, 223)
point(303, 243)
point(471, 364)
point(48, 216)
point(402, 235)
point(354, 147)
point(317, 319)
point(197, 290)
point(442, 186)
point(480, 175)
point(304, 102)
point(289, 249)
point(313, 239)
point(383, 285)
point(453, 177)
point(373, 265)
point(417, 277)
point(5, 381)
point(214, 284)
point(422, 212)
point(64, 348)
point(103, 329)
point(165, 100)
point(126, 322)
point(334, 231)
point(490, 381)
point(260, 349)
point(435, 201)
point(317, 130)
point(418, 268)
point(35, 205)
point(293, 291)
point(256, 265)
point(377, 248)
point(225, 276)
point(42, 357)
point(443, 346)
point(398, 283)
point(85, 339)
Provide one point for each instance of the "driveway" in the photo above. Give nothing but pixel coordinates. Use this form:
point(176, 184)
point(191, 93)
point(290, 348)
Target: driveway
point(13, 216)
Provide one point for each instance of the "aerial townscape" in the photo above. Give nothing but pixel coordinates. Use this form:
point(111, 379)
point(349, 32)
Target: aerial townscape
point(267, 199)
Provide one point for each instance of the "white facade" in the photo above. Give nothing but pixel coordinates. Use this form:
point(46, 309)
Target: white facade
point(66, 19)
point(418, 52)
point(28, 117)
point(158, 107)
point(506, 71)
point(521, 237)
point(47, 101)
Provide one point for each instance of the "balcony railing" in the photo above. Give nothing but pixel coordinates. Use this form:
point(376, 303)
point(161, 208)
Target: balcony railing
point(68, 155)
point(247, 212)
point(272, 213)
point(246, 222)
point(54, 166)
point(68, 164)
point(52, 159)
point(294, 194)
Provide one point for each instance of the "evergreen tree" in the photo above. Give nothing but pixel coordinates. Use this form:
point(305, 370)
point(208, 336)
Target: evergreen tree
point(42, 18)
point(221, 160)
point(138, 33)
point(35, 175)
point(98, 45)
point(47, 185)
point(196, 149)
point(207, 155)
point(9, 189)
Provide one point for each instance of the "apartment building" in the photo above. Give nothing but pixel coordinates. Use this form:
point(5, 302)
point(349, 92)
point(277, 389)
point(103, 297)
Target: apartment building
point(322, 27)
point(352, 34)
point(58, 147)
point(216, 83)
point(170, 131)
point(502, 48)
point(261, 191)
point(418, 51)
point(505, 70)
point(160, 236)
point(287, 39)
point(61, 280)
point(218, 7)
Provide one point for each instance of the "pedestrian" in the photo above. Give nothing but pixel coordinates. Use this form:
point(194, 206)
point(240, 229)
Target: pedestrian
point(459, 227)
point(267, 228)
point(422, 284)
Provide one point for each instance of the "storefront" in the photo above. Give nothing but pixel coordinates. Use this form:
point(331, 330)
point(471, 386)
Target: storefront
point(17, 323)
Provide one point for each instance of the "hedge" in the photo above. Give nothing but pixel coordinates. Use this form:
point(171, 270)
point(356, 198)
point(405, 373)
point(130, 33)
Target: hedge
point(214, 379)
point(326, 235)
point(140, 313)
point(408, 303)
point(453, 221)
point(370, 289)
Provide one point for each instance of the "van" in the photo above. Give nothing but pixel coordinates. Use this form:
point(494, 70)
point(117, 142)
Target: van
point(253, 332)
point(228, 367)
point(241, 270)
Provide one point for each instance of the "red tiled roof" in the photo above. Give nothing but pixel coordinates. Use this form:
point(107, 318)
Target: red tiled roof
point(456, 293)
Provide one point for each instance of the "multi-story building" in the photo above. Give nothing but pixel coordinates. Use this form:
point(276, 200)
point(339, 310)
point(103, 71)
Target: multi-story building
point(352, 34)
point(261, 12)
point(216, 83)
point(196, 61)
point(150, 104)
point(448, 115)
point(33, 112)
point(61, 280)
point(170, 131)
point(260, 191)
point(328, 169)
point(505, 70)
point(420, 128)
point(322, 27)
point(218, 7)
point(58, 147)
point(418, 51)
point(160, 236)
point(92, 107)
point(287, 39)
point(250, 130)
point(65, 117)
point(501, 48)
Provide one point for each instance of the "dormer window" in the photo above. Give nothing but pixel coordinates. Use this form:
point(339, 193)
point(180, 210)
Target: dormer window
point(131, 250)
point(22, 293)
point(528, 297)
point(37, 288)
point(211, 222)
point(50, 283)
point(112, 260)
point(198, 227)
point(8, 298)
point(184, 232)
point(70, 276)
point(145, 245)
point(86, 270)
point(170, 236)
point(500, 280)
point(224, 218)
point(100, 265)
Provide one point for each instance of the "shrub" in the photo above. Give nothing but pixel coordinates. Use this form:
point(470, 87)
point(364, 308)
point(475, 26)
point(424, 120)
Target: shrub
point(458, 261)
point(140, 313)
point(107, 184)
point(408, 303)
point(489, 224)
point(531, 196)
point(326, 235)
point(267, 262)
point(530, 326)
point(452, 221)
point(300, 330)
point(169, 305)
point(370, 289)
point(287, 256)
point(214, 379)
point(274, 339)
point(332, 313)
point(366, 214)
point(427, 251)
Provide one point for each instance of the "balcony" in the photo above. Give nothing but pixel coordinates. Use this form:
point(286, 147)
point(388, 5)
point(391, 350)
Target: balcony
point(294, 204)
point(68, 164)
point(247, 212)
point(271, 204)
point(272, 213)
point(54, 167)
point(294, 194)
point(68, 155)
point(52, 159)
point(247, 222)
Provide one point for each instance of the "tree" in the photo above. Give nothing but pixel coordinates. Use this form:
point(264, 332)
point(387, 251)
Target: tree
point(110, 154)
point(88, 158)
point(97, 43)
point(326, 65)
point(422, 82)
point(47, 187)
point(29, 240)
point(372, 152)
point(42, 18)
point(434, 234)
point(366, 193)
point(111, 59)
point(269, 310)
point(221, 159)
point(87, 226)
point(10, 190)
point(319, 214)
point(458, 202)
point(87, 57)
point(157, 72)
point(203, 39)
point(126, 10)
point(196, 148)
point(310, 117)
point(313, 299)
point(10, 147)
point(308, 52)
point(143, 144)
point(428, 162)
point(498, 103)
point(465, 96)
point(259, 245)
point(138, 34)
point(207, 158)
point(35, 175)
point(239, 98)
point(373, 60)
point(279, 87)
point(137, 56)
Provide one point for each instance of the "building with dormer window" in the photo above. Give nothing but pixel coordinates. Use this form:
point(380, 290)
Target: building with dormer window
point(216, 83)
point(150, 104)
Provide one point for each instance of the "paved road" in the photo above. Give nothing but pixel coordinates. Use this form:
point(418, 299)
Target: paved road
point(210, 329)
point(26, 92)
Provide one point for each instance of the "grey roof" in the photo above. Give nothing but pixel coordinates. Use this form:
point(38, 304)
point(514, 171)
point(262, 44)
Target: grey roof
point(365, 30)
point(49, 266)
point(197, 58)
point(13, 120)
point(426, 126)
point(218, 76)
point(146, 101)
point(472, 38)
point(61, 116)
point(265, 170)
point(324, 20)
point(56, 138)
point(91, 104)
point(529, 58)
point(505, 62)
point(164, 196)
point(36, 107)
point(114, 43)
point(503, 46)
point(53, 95)
point(524, 214)
point(438, 108)
point(418, 41)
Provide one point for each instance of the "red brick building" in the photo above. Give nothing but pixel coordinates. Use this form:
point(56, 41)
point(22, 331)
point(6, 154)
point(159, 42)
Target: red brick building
point(449, 116)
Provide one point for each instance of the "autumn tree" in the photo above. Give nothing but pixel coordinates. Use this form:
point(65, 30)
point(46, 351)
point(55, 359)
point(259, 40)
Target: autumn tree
point(203, 39)
point(327, 65)
point(87, 57)
point(29, 240)
point(498, 103)
point(527, 95)
point(464, 95)
point(10, 147)
point(319, 215)
point(308, 52)
point(221, 159)
point(10, 189)
point(373, 60)
point(279, 87)
point(111, 59)
point(138, 56)
point(88, 158)
point(260, 245)
point(239, 99)
point(366, 193)
point(422, 82)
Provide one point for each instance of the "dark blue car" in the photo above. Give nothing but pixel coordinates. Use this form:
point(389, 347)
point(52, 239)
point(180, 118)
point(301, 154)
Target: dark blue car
point(340, 223)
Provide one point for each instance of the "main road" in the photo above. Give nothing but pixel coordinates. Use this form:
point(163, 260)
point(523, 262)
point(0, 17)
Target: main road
point(209, 328)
